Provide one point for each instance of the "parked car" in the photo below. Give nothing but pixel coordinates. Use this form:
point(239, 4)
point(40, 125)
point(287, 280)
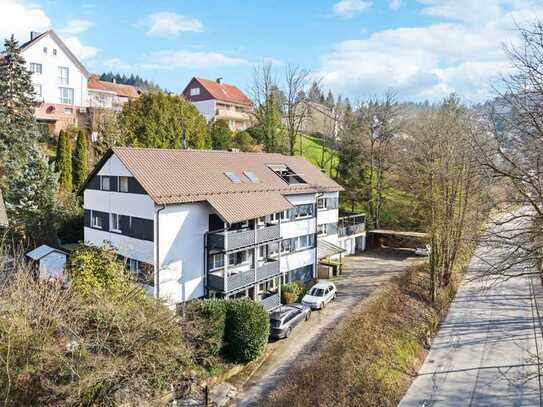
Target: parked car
point(423, 250)
point(319, 295)
point(283, 320)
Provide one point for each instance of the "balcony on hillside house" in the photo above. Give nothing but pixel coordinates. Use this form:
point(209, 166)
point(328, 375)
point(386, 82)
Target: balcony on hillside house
point(244, 234)
point(351, 224)
point(234, 271)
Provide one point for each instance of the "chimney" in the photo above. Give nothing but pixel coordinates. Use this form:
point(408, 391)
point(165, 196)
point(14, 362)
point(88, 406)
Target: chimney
point(219, 79)
point(34, 35)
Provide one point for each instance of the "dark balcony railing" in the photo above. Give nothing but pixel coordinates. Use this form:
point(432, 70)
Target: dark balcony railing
point(268, 270)
point(271, 302)
point(236, 239)
point(234, 281)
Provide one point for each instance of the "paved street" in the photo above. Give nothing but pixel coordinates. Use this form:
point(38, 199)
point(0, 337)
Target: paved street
point(485, 353)
point(362, 275)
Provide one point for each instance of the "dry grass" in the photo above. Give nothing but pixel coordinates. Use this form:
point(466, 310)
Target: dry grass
point(373, 357)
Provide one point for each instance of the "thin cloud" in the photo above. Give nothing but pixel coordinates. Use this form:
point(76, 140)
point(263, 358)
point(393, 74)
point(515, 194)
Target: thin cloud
point(168, 59)
point(76, 26)
point(395, 4)
point(351, 8)
point(169, 24)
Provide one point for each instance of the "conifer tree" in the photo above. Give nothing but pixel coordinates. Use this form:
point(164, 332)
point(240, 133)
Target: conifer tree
point(17, 124)
point(64, 162)
point(80, 160)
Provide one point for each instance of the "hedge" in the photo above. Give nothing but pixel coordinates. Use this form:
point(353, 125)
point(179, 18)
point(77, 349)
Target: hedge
point(247, 330)
point(292, 292)
point(236, 329)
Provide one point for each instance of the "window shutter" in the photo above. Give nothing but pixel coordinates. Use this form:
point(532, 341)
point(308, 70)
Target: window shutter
point(87, 218)
point(124, 223)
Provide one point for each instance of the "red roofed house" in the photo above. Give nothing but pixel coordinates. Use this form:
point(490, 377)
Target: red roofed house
point(217, 100)
point(109, 95)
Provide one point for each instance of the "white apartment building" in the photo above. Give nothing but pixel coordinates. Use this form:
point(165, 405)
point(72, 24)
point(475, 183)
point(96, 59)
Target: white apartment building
point(216, 100)
point(63, 85)
point(195, 223)
point(60, 80)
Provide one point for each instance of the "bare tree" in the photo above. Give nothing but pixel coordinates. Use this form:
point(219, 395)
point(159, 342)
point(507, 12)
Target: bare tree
point(513, 152)
point(296, 107)
point(266, 110)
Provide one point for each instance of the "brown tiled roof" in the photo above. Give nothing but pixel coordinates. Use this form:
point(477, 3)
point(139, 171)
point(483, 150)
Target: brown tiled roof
point(117, 88)
point(176, 176)
point(225, 92)
point(248, 205)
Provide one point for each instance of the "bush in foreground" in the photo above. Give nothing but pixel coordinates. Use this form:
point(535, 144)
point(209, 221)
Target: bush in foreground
point(237, 329)
point(67, 347)
point(292, 292)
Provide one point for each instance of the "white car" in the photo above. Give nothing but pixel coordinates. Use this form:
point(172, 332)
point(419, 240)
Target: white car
point(319, 295)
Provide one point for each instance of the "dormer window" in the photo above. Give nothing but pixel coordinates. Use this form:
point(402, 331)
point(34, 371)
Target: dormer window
point(286, 174)
point(195, 91)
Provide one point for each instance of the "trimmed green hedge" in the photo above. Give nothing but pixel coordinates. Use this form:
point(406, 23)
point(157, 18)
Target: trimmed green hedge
point(237, 329)
point(247, 330)
point(292, 292)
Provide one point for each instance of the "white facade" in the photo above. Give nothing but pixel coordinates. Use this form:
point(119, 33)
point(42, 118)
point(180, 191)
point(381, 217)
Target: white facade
point(60, 81)
point(177, 251)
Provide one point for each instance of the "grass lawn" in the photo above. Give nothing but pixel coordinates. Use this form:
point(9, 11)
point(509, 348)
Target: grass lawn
point(312, 150)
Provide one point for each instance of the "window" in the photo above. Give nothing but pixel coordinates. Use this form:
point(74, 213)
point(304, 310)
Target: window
point(304, 211)
point(45, 50)
point(321, 230)
point(106, 186)
point(54, 52)
point(273, 249)
point(232, 176)
point(37, 90)
point(114, 225)
point(286, 174)
point(63, 75)
point(215, 261)
point(66, 96)
point(68, 110)
point(36, 68)
point(286, 246)
point(237, 258)
point(195, 91)
point(321, 203)
point(96, 221)
point(123, 184)
point(251, 175)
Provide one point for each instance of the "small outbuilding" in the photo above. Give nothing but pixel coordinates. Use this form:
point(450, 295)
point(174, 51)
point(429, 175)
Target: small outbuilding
point(50, 262)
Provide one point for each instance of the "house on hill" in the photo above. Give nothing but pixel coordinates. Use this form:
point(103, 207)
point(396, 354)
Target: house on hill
point(195, 223)
point(217, 100)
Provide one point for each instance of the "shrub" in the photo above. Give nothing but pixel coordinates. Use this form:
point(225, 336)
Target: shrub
point(93, 269)
point(292, 292)
point(247, 330)
point(204, 329)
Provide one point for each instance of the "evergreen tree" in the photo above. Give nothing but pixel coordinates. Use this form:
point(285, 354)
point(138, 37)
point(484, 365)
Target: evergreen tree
point(64, 162)
point(221, 135)
point(80, 160)
point(17, 124)
point(30, 199)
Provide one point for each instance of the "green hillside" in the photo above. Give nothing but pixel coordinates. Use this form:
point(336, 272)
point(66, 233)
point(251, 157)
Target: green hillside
point(312, 150)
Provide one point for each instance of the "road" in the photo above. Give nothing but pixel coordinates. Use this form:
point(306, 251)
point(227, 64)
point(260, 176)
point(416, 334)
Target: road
point(362, 275)
point(486, 351)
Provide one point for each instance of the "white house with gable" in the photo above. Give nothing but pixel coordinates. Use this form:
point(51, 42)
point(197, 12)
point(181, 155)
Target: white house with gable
point(194, 223)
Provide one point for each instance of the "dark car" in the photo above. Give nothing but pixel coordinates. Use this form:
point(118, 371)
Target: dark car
point(283, 320)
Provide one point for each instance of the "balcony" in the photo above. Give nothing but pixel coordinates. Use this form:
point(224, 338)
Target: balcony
point(236, 239)
point(351, 225)
point(271, 302)
point(267, 270)
point(238, 278)
point(232, 115)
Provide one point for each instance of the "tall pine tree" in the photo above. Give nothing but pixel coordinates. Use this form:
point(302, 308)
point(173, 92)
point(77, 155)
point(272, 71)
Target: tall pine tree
point(17, 124)
point(80, 160)
point(64, 161)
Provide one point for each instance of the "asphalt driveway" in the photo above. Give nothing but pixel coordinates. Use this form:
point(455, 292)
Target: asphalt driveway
point(362, 275)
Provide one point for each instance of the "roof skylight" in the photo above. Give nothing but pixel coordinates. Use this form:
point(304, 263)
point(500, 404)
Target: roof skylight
point(251, 175)
point(232, 176)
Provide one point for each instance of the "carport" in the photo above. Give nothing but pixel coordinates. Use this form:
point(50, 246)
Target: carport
point(396, 239)
point(329, 256)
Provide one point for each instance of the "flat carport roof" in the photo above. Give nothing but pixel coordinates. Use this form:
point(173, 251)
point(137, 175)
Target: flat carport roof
point(401, 233)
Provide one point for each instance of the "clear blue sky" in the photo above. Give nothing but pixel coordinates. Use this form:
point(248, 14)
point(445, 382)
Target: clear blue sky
point(423, 49)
